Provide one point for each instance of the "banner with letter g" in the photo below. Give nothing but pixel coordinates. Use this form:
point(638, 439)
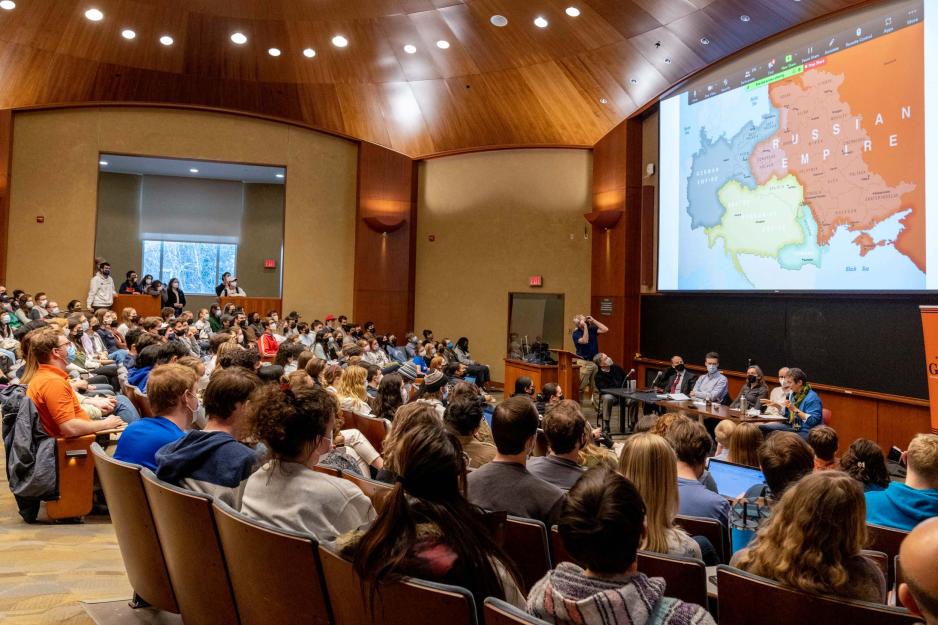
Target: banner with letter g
point(930, 330)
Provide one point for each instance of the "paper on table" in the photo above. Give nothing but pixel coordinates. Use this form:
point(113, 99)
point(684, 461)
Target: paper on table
point(773, 417)
point(678, 397)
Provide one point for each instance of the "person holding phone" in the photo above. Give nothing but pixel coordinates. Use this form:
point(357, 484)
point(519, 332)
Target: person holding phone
point(586, 331)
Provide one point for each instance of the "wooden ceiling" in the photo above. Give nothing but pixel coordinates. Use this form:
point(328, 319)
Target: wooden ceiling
point(567, 84)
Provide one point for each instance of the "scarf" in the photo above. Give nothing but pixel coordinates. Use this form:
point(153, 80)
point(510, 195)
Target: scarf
point(796, 400)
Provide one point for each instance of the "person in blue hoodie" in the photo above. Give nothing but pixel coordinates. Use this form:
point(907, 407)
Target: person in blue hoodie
point(213, 461)
point(139, 374)
point(903, 506)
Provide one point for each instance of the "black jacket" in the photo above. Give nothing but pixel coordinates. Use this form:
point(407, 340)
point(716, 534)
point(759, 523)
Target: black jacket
point(30, 453)
point(614, 378)
point(687, 384)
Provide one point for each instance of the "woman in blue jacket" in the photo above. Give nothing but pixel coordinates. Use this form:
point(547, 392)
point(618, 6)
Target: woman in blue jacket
point(802, 408)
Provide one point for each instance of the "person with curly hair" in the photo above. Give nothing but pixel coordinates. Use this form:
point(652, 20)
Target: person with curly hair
point(296, 425)
point(812, 541)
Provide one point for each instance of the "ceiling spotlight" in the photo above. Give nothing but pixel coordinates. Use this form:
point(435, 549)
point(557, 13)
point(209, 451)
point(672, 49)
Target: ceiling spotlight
point(705, 41)
point(540, 22)
point(166, 40)
point(633, 81)
point(442, 44)
point(280, 175)
point(499, 20)
point(573, 12)
point(309, 53)
point(667, 60)
point(102, 163)
point(94, 15)
point(193, 170)
point(339, 41)
point(239, 38)
point(744, 18)
point(603, 101)
point(273, 51)
point(410, 48)
point(128, 34)
point(7, 5)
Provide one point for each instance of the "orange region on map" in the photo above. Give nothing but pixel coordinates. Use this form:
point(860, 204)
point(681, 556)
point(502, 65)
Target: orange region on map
point(851, 129)
point(866, 243)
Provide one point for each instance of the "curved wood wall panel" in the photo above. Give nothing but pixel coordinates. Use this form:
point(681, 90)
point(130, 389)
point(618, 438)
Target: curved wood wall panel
point(567, 84)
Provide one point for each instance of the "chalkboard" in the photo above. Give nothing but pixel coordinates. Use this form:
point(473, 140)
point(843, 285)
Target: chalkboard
point(872, 344)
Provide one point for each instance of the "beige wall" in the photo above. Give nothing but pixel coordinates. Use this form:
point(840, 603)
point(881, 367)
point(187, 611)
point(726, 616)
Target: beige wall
point(118, 223)
point(498, 218)
point(55, 174)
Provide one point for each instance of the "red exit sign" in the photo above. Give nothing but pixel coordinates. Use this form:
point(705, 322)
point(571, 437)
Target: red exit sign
point(536, 281)
point(269, 263)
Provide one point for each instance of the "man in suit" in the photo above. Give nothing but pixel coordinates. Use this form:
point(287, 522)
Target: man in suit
point(676, 379)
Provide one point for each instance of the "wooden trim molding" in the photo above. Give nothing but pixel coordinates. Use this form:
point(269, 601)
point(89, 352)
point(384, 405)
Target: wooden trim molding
point(6, 163)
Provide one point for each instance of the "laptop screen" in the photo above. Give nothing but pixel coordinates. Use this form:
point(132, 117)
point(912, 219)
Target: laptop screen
point(733, 479)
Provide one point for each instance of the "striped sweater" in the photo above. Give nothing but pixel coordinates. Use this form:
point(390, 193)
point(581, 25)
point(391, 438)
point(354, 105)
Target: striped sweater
point(565, 596)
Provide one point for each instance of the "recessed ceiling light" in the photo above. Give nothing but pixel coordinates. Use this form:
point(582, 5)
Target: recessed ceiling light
point(499, 20)
point(193, 170)
point(7, 5)
point(166, 40)
point(603, 101)
point(540, 22)
point(442, 44)
point(128, 34)
point(239, 38)
point(102, 163)
point(705, 41)
point(309, 53)
point(410, 48)
point(573, 12)
point(667, 60)
point(339, 41)
point(280, 175)
point(273, 51)
point(94, 15)
point(744, 18)
point(633, 81)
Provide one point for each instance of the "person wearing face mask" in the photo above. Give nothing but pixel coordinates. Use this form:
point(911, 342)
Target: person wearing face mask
point(48, 387)
point(214, 318)
point(129, 286)
point(172, 393)
point(232, 289)
point(608, 375)
point(24, 306)
point(677, 379)
point(754, 390)
point(711, 386)
point(174, 297)
point(53, 309)
point(38, 311)
point(101, 289)
point(410, 347)
point(773, 405)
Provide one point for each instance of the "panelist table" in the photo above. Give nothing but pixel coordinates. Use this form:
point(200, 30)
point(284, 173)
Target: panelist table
point(713, 411)
point(249, 305)
point(145, 305)
point(642, 396)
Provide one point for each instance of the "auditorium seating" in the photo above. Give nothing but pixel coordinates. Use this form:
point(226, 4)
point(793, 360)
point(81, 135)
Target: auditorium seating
point(136, 533)
point(747, 598)
point(686, 578)
point(405, 602)
point(75, 468)
point(256, 555)
point(139, 400)
point(327, 470)
point(887, 540)
point(525, 541)
point(374, 429)
point(375, 490)
point(498, 612)
point(185, 524)
point(711, 529)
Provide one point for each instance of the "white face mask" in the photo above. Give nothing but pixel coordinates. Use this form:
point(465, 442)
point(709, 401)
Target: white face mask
point(55, 310)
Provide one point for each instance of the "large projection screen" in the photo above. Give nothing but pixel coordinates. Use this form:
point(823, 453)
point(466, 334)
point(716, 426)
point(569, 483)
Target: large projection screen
point(807, 165)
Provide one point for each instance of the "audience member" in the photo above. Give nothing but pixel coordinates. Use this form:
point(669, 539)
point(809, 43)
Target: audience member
point(904, 506)
point(649, 463)
point(524, 386)
point(464, 416)
point(427, 529)
point(174, 297)
point(691, 445)
point(101, 289)
point(919, 588)
point(711, 386)
point(551, 394)
point(296, 426)
point(723, 433)
point(745, 442)
point(214, 461)
point(473, 369)
point(602, 526)
point(408, 417)
point(567, 433)
point(753, 391)
point(813, 541)
point(129, 286)
point(865, 462)
point(504, 483)
point(172, 394)
point(139, 374)
point(267, 345)
point(431, 391)
point(823, 442)
point(351, 392)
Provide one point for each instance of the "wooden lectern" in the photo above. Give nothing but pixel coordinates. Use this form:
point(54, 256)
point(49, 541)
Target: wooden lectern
point(568, 376)
point(145, 305)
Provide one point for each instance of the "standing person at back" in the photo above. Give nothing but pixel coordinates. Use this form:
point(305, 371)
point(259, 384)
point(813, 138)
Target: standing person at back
point(505, 483)
point(586, 331)
point(904, 506)
point(101, 289)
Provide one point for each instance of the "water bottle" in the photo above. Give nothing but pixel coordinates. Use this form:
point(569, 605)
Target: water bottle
point(743, 405)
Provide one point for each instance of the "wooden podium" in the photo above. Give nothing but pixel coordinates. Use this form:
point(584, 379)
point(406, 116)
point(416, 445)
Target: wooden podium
point(262, 305)
point(541, 375)
point(145, 305)
point(568, 375)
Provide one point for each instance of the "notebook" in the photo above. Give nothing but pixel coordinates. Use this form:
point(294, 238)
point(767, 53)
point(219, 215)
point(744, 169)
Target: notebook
point(733, 479)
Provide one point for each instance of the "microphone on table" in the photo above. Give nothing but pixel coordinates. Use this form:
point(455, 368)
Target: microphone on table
point(654, 383)
point(626, 379)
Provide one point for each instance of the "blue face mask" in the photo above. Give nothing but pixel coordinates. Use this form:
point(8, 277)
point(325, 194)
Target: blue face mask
point(72, 352)
point(713, 368)
point(450, 344)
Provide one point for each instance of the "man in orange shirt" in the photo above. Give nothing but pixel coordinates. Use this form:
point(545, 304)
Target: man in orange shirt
point(58, 407)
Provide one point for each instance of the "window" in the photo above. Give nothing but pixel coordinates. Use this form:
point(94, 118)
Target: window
point(198, 266)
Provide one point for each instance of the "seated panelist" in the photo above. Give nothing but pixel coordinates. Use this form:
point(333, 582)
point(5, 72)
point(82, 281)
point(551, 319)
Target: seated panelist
point(676, 379)
point(712, 385)
point(802, 408)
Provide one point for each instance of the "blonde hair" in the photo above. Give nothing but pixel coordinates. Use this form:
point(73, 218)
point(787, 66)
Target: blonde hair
point(649, 462)
point(224, 348)
point(744, 445)
point(352, 383)
point(37, 348)
point(923, 457)
point(595, 456)
point(812, 540)
point(407, 418)
point(724, 431)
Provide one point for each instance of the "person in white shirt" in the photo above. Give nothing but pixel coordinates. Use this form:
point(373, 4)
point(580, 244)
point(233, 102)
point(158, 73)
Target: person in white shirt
point(233, 290)
point(778, 394)
point(101, 290)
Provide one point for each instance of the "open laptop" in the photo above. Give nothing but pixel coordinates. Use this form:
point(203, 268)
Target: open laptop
point(733, 479)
